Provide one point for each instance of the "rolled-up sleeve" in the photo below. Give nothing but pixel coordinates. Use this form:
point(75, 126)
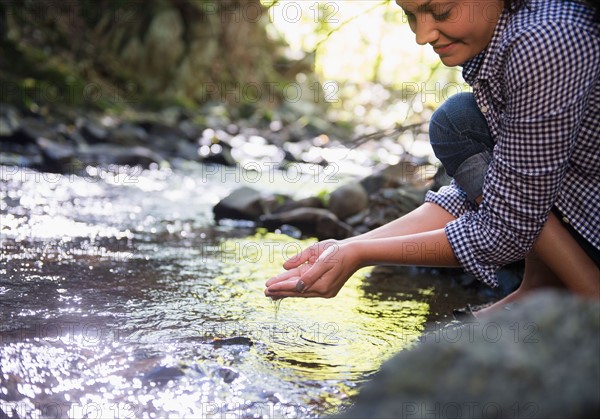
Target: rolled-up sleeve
point(548, 77)
point(452, 198)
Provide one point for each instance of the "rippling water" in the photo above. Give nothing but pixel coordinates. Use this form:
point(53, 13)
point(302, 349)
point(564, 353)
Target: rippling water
point(120, 298)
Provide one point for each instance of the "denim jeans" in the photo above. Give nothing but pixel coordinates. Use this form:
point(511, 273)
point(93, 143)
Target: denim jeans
point(461, 140)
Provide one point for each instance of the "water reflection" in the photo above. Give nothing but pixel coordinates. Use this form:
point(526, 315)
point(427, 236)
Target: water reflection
point(119, 299)
point(325, 339)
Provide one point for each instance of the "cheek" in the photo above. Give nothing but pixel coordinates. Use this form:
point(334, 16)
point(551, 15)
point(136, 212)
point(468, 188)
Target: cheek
point(453, 30)
point(462, 30)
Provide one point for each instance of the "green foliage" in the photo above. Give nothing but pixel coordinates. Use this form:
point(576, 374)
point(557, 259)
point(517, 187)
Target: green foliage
point(323, 195)
point(114, 54)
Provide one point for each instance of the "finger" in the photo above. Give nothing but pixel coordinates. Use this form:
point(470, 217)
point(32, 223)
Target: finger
point(299, 259)
point(284, 276)
point(310, 254)
point(294, 284)
point(289, 292)
point(316, 272)
point(287, 285)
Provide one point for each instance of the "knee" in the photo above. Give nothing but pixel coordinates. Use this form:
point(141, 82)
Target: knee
point(447, 121)
point(458, 130)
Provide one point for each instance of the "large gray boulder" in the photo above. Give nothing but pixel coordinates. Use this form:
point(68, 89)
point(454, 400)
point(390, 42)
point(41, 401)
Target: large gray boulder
point(539, 360)
point(348, 200)
point(318, 222)
point(243, 203)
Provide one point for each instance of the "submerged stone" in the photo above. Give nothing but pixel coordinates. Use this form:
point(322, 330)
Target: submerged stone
point(162, 375)
point(237, 340)
point(227, 374)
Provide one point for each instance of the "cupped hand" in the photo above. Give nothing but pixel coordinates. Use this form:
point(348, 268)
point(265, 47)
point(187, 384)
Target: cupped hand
point(310, 254)
point(321, 270)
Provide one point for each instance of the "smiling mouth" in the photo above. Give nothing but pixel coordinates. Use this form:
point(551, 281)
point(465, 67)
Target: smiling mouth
point(440, 49)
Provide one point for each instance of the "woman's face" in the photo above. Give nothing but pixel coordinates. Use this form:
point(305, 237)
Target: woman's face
point(457, 30)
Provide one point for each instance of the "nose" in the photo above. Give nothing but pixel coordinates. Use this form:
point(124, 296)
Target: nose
point(426, 30)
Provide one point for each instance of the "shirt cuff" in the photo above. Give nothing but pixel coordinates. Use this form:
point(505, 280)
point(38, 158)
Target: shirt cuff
point(452, 198)
point(459, 236)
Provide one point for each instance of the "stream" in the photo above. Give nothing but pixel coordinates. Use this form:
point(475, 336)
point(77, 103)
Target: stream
point(120, 297)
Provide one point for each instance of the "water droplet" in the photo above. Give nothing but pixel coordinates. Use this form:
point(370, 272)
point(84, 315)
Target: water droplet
point(276, 304)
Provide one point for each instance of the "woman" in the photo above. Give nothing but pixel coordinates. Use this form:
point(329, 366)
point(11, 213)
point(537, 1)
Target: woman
point(523, 150)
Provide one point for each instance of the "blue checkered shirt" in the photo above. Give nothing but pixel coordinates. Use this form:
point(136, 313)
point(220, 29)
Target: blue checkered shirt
point(537, 84)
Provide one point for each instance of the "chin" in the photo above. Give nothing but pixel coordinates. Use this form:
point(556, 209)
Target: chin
point(452, 61)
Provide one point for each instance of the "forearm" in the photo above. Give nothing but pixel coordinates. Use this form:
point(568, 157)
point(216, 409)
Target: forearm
point(430, 248)
point(560, 252)
point(427, 217)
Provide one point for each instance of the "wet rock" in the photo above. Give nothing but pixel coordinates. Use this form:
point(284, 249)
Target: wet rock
point(348, 200)
point(93, 132)
point(227, 374)
point(358, 219)
point(162, 375)
point(20, 160)
point(404, 173)
point(319, 222)
point(388, 177)
point(107, 154)
point(187, 151)
point(390, 204)
point(241, 204)
point(11, 393)
point(9, 120)
point(269, 396)
point(189, 129)
point(215, 150)
point(75, 138)
point(375, 182)
point(57, 158)
point(289, 205)
point(538, 360)
point(160, 129)
point(31, 129)
point(291, 231)
point(288, 158)
point(128, 135)
point(167, 147)
point(272, 202)
point(236, 340)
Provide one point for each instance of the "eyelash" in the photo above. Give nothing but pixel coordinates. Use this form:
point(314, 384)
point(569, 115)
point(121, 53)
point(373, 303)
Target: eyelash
point(438, 17)
point(441, 17)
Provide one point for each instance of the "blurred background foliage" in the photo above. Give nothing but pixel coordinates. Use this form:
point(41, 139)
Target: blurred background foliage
point(354, 61)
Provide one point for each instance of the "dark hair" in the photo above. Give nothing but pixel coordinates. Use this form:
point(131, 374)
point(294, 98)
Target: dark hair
point(514, 5)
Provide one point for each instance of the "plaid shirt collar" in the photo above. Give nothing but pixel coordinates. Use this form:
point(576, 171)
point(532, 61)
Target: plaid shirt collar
point(479, 67)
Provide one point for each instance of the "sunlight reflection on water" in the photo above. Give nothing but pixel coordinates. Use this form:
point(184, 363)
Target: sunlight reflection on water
point(121, 299)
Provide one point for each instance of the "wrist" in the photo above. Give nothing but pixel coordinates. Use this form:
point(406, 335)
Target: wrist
point(355, 253)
